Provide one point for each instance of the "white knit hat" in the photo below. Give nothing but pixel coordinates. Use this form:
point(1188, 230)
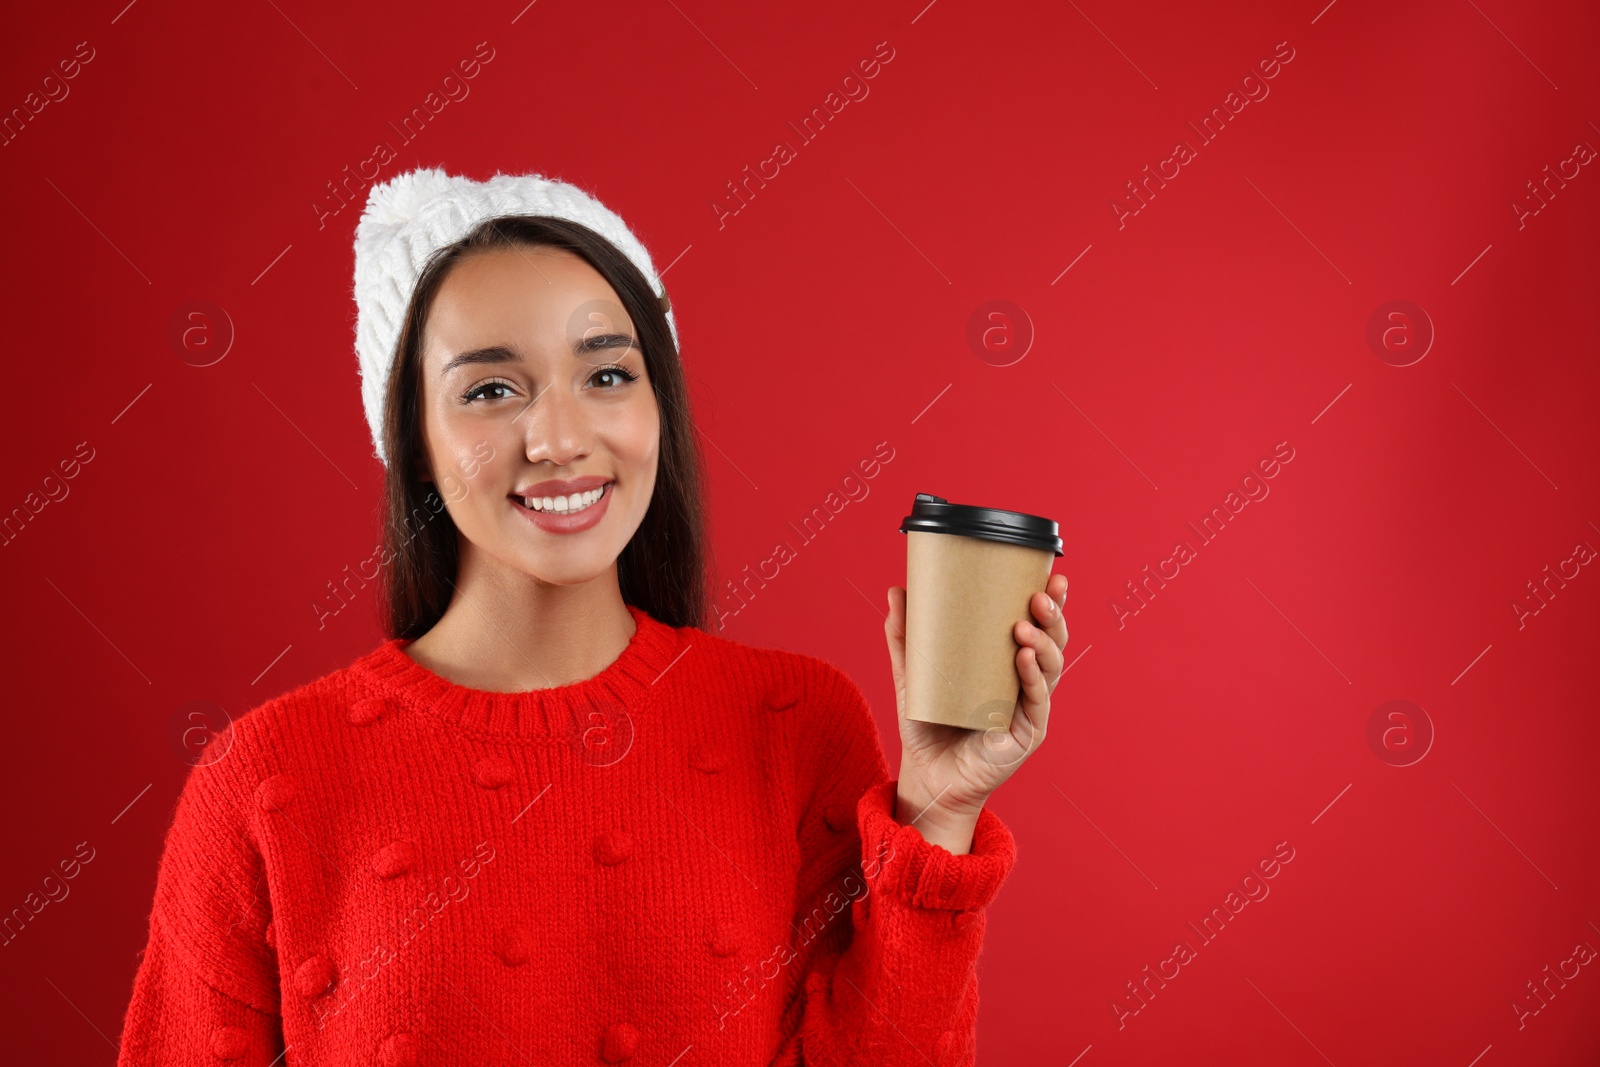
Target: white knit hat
point(412, 214)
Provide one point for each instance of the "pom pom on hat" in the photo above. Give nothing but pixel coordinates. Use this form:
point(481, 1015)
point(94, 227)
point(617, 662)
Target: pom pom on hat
point(417, 212)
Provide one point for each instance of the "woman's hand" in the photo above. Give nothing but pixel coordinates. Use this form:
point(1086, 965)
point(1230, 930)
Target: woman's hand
point(947, 772)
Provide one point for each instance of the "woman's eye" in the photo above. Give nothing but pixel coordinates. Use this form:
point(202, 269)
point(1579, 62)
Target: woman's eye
point(611, 378)
point(477, 391)
point(618, 374)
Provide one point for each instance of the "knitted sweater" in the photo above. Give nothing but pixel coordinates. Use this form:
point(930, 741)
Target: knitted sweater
point(690, 858)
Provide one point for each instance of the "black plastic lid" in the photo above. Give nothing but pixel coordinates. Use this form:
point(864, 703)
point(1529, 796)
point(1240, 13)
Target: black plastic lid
point(935, 514)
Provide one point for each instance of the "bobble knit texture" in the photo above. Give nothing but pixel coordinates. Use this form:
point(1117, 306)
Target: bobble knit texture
point(691, 854)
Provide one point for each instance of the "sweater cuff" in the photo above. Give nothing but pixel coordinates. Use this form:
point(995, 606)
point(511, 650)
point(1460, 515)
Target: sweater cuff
point(920, 874)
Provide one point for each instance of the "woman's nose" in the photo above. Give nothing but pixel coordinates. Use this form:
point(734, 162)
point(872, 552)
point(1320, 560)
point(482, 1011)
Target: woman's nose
point(556, 426)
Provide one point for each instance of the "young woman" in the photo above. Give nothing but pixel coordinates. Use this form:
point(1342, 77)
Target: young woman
point(555, 817)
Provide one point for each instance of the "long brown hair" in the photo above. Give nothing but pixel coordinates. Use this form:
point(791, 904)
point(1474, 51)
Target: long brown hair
point(665, 568)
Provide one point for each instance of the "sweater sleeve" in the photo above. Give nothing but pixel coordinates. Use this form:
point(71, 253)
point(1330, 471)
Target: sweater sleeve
point(889, 926)
point(177, 1019)
point(206, 987)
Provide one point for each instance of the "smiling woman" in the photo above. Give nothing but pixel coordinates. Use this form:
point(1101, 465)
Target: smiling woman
point(559, 383)
point(665, 809)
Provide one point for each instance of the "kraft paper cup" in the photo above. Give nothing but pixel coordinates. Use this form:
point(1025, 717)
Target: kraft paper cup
point(970, 573)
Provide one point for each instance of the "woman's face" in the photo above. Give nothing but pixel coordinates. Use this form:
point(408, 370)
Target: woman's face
point(526, 364)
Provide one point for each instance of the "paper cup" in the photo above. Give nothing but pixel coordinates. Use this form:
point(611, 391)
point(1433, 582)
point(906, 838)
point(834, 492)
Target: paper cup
point(970, 573)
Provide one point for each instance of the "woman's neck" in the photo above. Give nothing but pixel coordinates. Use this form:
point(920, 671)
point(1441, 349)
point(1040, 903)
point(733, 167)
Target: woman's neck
point(506, 631)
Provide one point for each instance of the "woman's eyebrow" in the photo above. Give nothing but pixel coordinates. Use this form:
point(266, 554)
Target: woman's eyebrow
point(492, 354)
point(601, 341)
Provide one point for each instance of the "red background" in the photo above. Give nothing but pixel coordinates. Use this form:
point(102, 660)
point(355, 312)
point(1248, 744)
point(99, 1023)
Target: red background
point(830, 314)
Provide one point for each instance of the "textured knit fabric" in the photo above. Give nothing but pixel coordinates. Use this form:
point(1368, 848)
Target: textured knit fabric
point(690, 858)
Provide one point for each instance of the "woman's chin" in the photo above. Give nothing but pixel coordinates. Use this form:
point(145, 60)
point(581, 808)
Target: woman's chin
point(565, 568)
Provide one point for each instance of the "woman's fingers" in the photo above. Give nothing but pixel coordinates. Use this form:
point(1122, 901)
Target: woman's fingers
point(1034, 699)
point(1035, 680)
point(1046, 646)
point(1052, 626)
point(1047, 607)
point(894, 628)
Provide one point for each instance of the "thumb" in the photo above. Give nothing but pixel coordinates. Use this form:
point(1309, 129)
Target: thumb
point(894, 628)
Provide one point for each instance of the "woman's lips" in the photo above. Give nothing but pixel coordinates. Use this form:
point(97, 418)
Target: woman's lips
point(567, 521)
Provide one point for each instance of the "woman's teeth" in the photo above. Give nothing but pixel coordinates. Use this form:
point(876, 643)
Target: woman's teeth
point(564, 504)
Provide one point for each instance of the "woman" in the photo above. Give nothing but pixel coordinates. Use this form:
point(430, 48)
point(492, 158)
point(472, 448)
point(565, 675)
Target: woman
point(553, 817)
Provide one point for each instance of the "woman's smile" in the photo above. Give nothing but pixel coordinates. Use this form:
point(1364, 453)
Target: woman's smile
point(569, 514)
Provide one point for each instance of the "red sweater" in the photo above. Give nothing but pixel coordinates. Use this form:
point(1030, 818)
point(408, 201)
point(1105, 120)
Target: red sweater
point(689, 859)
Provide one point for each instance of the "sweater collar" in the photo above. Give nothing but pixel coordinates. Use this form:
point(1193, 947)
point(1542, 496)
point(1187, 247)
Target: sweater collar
point(623, 689)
